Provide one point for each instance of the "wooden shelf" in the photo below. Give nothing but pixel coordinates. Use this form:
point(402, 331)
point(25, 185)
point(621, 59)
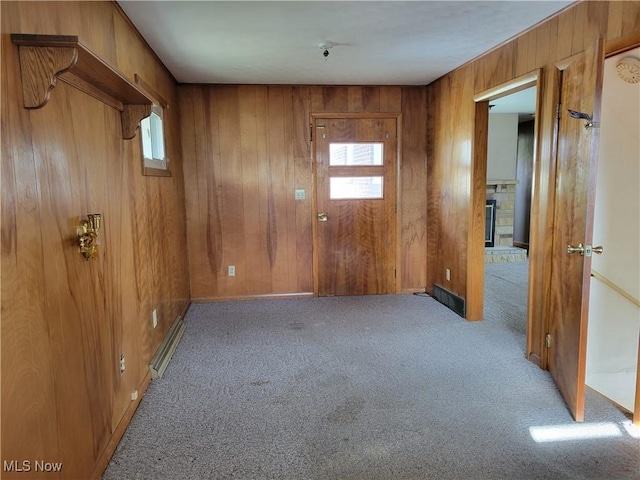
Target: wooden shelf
point(46, 58)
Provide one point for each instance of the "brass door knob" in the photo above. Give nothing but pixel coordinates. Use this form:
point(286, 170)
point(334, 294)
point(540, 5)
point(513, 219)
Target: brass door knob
point(579, 249)
point(585, 250)
point(322, 217)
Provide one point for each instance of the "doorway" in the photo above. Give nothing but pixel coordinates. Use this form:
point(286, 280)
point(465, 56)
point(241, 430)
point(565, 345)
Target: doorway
point(614, 307)
point(510, 158)
point(355, 229)
point(509, 178)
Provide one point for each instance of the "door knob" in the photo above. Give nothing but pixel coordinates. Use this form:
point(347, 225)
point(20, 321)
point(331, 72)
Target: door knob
point(579, 249)
point(322, 217)
point(585, 250)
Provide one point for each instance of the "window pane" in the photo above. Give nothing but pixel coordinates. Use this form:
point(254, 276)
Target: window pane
point(145, 130)
point(350, 154)
point(355, 187)
point(157, 136)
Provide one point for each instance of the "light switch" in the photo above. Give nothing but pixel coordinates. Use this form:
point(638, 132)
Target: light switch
point(300, 194)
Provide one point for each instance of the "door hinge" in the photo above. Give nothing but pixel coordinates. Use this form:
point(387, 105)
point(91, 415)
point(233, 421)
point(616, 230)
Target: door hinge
point(558, 110)
point(311, 132)
point(547, 340)
point(395, 273)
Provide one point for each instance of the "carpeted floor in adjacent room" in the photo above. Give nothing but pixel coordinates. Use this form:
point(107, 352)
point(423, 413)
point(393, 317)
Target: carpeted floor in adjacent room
point(377, 387)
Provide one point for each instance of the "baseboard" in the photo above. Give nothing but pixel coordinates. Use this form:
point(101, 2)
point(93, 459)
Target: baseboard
point(109, 450)
point(268, 296)
point(412, 290)
point(521, 245)
point(536, 359)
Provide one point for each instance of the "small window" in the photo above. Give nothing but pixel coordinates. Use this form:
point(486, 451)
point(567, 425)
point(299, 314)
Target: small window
point(153, 140)
point(355, 154)
point(155, 161)
point(341, 188)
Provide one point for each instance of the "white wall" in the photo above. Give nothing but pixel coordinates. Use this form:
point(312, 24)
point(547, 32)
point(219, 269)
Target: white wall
point(502, 149)
point(614, 323)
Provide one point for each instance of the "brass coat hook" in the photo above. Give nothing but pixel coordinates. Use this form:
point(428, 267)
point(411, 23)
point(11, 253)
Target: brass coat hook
point(585, 116)
point(87, 235)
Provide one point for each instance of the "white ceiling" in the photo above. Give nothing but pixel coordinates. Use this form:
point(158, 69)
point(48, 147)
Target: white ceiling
point(375, 42)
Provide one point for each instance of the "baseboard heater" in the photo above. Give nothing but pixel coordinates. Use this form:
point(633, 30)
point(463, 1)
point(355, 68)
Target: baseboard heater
point(449, 299)
point(162, 357)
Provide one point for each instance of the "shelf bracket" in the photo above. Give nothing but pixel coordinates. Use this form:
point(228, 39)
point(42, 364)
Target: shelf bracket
point(46, 58)
point(41, 67)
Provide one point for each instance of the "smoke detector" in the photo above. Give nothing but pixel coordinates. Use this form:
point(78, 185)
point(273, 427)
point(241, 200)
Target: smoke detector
point(628, 69)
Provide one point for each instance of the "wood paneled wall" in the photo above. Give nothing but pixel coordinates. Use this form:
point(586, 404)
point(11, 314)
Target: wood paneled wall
point(246, 149)
point(67, 321)
point(451, 176)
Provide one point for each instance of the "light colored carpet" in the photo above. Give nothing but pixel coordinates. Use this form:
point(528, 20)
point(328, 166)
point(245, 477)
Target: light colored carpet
point(378, 387)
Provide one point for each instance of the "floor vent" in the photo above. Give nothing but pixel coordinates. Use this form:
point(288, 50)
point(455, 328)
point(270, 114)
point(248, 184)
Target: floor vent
point(160, 361)
point(451, 300)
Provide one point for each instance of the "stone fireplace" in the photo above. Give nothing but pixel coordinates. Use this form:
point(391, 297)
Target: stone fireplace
point(503, 192)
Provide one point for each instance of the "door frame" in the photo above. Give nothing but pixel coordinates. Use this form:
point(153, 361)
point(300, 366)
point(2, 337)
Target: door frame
point(314, 180)
point(541, 208)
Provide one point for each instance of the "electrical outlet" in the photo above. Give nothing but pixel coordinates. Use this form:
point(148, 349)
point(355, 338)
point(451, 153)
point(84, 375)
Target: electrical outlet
point(231, 270)
point(300, 194)
point(448, 275)
point(122, 364)
point(154, 318)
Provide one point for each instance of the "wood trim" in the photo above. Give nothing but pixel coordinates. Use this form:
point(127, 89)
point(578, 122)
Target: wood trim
point(152, 92)
point(622, 44)
point(156, 172)
point(548, 207)
point(315, 260)
point(398, 226)
point(77, 82)
point(394, 115)
point(411, 291)
point(636, 410)
point(268, 296)
point(105, 457)
point(535, 302)
point(475, 237)
point(620, 291)
point(535, 359)
point(513, 86)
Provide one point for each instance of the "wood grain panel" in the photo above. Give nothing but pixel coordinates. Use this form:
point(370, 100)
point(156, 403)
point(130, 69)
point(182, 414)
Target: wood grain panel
point(561, 36)
point(527, 47)
point(264, 152)
point(301, 157)
point(476, 234)
point(413, 193)
point(66, 321)
point(24, 322)
point(496, 67)
point(630, 18)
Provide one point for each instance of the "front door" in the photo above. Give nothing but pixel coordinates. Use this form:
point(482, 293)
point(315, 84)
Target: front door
point(581, 88)
point(356, 205)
